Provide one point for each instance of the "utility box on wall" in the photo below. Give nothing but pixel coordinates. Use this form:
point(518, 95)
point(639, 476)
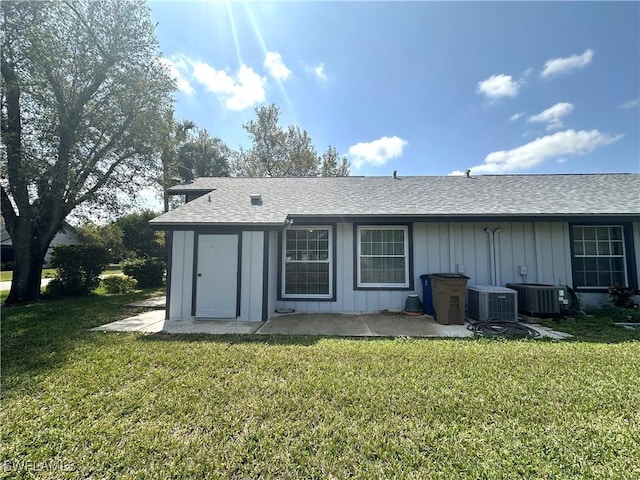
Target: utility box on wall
point(449, 297)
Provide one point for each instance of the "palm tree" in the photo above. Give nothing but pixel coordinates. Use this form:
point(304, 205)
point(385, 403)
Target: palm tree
point(178, 134)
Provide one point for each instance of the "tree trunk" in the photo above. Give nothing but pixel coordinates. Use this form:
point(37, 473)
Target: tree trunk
point(29, 251)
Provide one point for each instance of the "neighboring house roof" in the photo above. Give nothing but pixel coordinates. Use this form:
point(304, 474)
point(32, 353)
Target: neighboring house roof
point(227, 200)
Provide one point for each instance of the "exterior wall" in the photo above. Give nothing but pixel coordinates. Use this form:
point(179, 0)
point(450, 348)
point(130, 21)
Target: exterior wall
point(272, 283)
point(251, 276)
point(251, 271)
point(542, 247)
point(63, 237)
point(636, 247)
point(181, 289)
point(603, 298)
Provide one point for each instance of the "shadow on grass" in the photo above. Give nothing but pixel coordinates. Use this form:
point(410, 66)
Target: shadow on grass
point(38, 336)
point(309, 340)
point(583, 329)
point(593, 329)
point(234, 339)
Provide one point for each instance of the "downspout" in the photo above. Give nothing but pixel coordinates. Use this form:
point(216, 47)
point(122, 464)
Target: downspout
point(496, 255)
point(451, 251)
point(493, 254)
point(492, 257)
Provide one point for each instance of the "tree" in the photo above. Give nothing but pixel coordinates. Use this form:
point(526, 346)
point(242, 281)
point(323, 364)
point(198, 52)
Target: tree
point(84, 98)
point(139, 239)
point(279, 152)
point(170, 172)
point(109, 237)
point(330, 167)
point(189, 152)
point(203, 156)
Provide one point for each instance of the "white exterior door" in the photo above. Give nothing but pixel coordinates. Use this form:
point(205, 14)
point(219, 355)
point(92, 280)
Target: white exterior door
point(217, 276)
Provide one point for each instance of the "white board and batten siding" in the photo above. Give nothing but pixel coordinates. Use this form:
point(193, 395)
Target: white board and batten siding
point(251, 276)
point(181, 288)
point(251, 264)
point(542, 247)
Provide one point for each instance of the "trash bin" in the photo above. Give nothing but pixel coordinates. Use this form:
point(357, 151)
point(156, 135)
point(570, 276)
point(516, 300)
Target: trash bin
point(449, 292)
point(427, 297)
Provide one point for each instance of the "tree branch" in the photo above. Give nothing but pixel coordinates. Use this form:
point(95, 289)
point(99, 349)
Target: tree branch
point(12, 136)
point(91, 163)
point(8, 211)
point(103, 179)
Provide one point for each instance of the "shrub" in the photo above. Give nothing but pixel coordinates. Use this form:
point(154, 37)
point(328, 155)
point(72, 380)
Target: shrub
point(78, 269)
point(6, 266)
point(118, 284)
point(147, 271)
point(623, 297)
point(615, 314)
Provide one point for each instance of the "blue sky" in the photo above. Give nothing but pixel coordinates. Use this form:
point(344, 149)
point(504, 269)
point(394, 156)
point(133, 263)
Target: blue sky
point(423, 88)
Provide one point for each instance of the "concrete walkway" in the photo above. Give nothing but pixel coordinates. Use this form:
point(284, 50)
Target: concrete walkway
point(342, 325)
point(6, 285)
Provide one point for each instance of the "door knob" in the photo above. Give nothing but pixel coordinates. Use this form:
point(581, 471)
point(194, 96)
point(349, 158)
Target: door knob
point(199, 274)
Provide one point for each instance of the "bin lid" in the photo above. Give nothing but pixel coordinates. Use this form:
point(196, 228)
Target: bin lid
point(448, 275)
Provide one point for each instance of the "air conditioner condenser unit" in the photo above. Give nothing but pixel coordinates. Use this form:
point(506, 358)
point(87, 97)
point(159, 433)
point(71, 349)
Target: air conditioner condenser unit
point(486, 302)
point(539, 300)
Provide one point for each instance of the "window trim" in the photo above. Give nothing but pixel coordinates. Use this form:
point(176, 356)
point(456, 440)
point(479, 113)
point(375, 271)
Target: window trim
point(628, 249)
point(282, 245)
point(408, 240)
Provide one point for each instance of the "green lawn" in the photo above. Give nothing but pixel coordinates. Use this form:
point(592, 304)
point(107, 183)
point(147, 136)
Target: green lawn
point(112, 405)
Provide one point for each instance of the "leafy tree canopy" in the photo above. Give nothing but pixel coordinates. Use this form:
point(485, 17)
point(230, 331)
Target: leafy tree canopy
point(84, 99)
point(283, 152)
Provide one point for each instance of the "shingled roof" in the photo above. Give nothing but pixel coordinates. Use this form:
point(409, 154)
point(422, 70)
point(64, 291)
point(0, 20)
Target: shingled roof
point(226, 201)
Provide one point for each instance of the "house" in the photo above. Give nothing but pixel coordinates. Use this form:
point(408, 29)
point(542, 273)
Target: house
point(66, 236)
point(244, 247)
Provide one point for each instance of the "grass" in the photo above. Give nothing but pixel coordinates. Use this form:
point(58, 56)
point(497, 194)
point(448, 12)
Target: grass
point(106, 405)
point(7, 275)
point(598, 325)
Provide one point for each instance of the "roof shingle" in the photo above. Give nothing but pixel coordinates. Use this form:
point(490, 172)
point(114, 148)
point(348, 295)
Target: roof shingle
point(228, 199)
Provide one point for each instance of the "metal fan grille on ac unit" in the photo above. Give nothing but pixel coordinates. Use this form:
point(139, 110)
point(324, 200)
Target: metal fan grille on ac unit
point(492, 303)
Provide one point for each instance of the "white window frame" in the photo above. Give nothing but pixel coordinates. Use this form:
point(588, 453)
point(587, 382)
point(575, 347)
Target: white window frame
point(359, 282)
point(329, 260)
point(597, 255)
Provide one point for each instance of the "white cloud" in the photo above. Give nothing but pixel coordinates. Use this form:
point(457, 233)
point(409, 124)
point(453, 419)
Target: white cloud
point(498, 86)
point(318, 70)
point(177, 67)
point(516, 116)
point(552, 116)
point(376, 152)
point(556, 146)
point(560, 66)
point(242, 90)
point(630, 104)
point(275, 66)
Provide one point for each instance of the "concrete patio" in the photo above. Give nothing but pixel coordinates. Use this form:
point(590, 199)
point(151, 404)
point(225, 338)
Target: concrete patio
point(325, 324)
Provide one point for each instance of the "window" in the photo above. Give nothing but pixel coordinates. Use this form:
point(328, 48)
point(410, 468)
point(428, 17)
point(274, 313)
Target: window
point(599, 256)
point(307, 263)
point(383, 257)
